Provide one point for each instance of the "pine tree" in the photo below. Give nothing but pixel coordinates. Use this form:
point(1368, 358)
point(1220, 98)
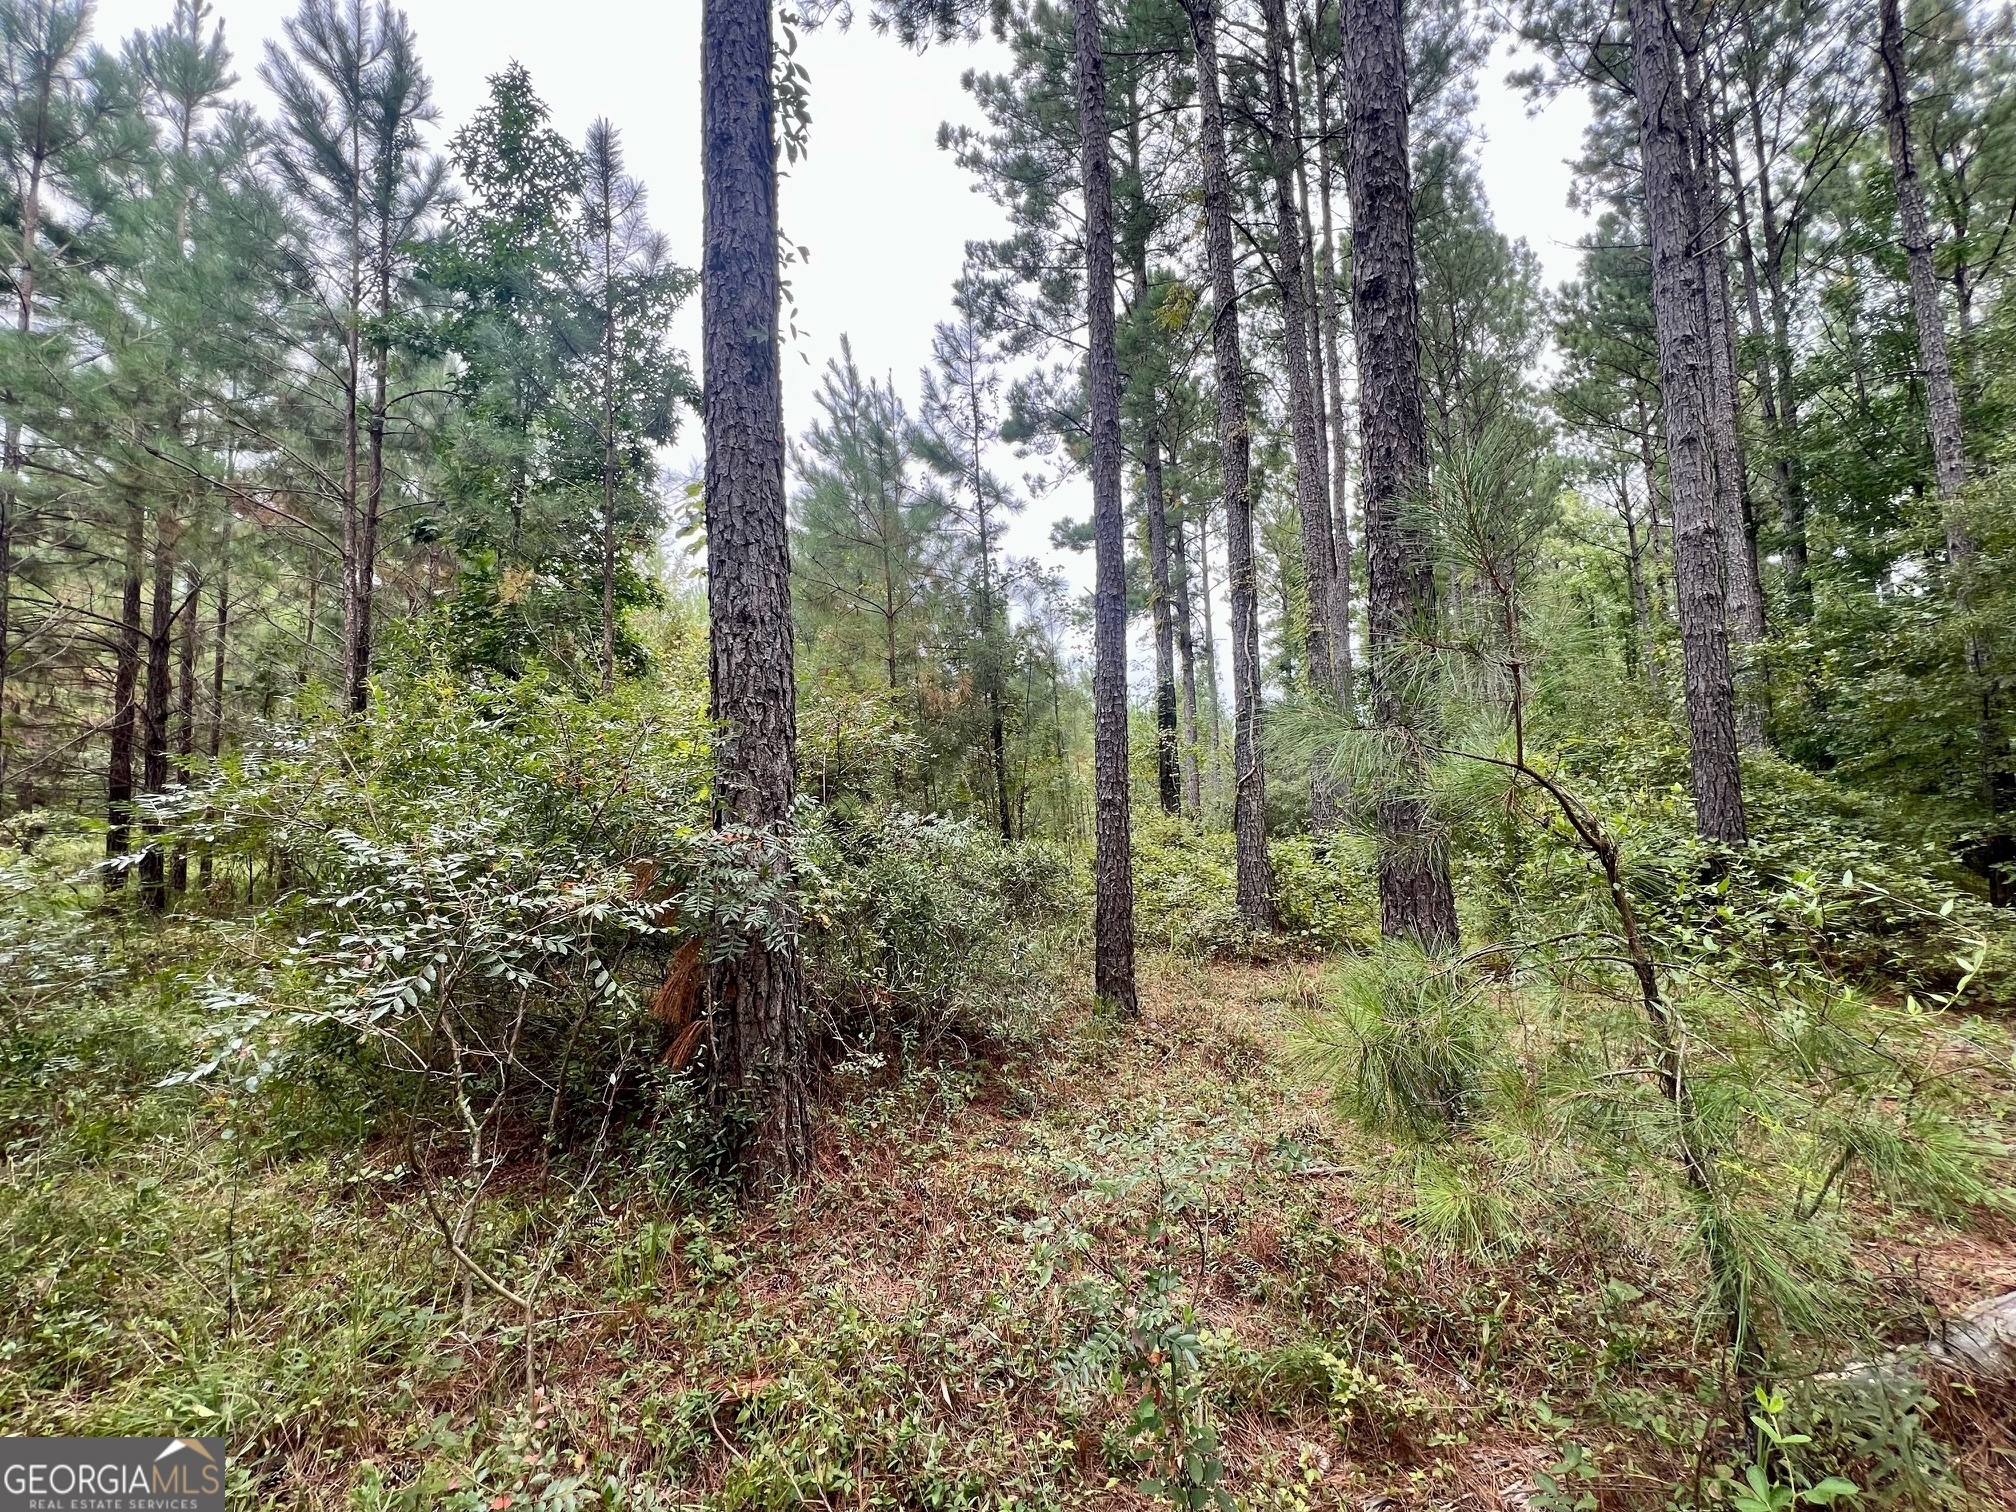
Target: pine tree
point(759, 1068)
point(629, 383)
point(1113, 867)
point(1680, 307)
point(962, 416)
point(869, 546)
point(1255, 876)
point(1415, 895)
point(41, 118)
point(352, 100)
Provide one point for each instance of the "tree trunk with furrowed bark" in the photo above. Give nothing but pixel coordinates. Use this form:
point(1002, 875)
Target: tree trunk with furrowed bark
point(758, 1068)
point(1416, 898)
point(1255, 874)
point(1113, 865)
point(1680, 312)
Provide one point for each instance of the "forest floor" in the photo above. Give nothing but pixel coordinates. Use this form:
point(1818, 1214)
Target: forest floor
point(974, 1303)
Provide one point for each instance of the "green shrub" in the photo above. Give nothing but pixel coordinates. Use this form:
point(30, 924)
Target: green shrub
point(923, 930)
point(1186, 897)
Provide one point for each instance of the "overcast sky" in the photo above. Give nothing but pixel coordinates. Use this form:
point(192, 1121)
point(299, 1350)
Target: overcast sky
point(885, 214)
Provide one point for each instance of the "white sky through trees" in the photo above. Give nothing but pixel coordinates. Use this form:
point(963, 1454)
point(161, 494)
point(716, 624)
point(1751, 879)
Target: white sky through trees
point(885, 214)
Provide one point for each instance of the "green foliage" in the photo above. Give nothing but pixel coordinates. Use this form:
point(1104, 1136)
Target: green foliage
point(1835, 882)
point(1775, 1480)
point(1404, 1044)
point(926, 931)
point(1184, 894)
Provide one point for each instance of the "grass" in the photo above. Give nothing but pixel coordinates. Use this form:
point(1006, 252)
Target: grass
point(951, 1314)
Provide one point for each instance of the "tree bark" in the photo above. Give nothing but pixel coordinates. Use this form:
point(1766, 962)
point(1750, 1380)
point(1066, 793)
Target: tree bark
point(1333, 369)
point(1113, 863)
point(1311, 297)
point(608, 458)
point(1775, 398)
point(1210, 645)
point(1193, 790)
point(359, 678)
point(154, 717)
point(1312, 495)
point(125, 709)
point(1942, 398)
point(1995, 853)
point(1743, 587)
point(992, 616)
point(758, 1069)
point(185, 718)
point(1168, 748)
point(1168, 740)
point(1416, 898)
point(1255, 873)
point(1648, 467)
point(1634, 569)
point(222, 633)
point(1680, 311)
point(353, 372)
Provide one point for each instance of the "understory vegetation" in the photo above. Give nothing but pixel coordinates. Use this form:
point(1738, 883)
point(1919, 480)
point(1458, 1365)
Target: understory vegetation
point(385, 1155)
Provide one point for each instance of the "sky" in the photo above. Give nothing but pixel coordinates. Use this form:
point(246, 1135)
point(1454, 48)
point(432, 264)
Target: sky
point(884, 214)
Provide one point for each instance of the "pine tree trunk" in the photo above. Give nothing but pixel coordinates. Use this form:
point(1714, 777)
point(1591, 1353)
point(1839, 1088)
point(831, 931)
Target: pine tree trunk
point(185, 718)
point(1168, 740)
point(1777, 246)
point(1416, 899)
point(1735, 514)
point(1312, 495)
point(1942, 398)
point(359, 679)
point(1743, 587)
point(1168, 745)
point(1634, 569)
point(758, 1065)
point(125, 706)
point(1680, 311)
point(1212, 678)
point(1193, 788)
point(154, 717)
point(1997, 850)
point(1333, 368)
point(1791, 508)
point(992, 618)
point(608, 489)
point(1113, 865)
point(1255, 874)
point(1648, 467)
point(1786, 483)
point(218, 642)
point(353, 696)
point(1311, 297)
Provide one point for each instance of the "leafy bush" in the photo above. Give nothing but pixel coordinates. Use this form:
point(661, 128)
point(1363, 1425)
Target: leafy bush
point(923, 930)
point(496, 905)
point(1185, 892)
point(1832, 882)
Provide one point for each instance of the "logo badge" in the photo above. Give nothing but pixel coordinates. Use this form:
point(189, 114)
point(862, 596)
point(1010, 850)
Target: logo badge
point(112, 1475)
